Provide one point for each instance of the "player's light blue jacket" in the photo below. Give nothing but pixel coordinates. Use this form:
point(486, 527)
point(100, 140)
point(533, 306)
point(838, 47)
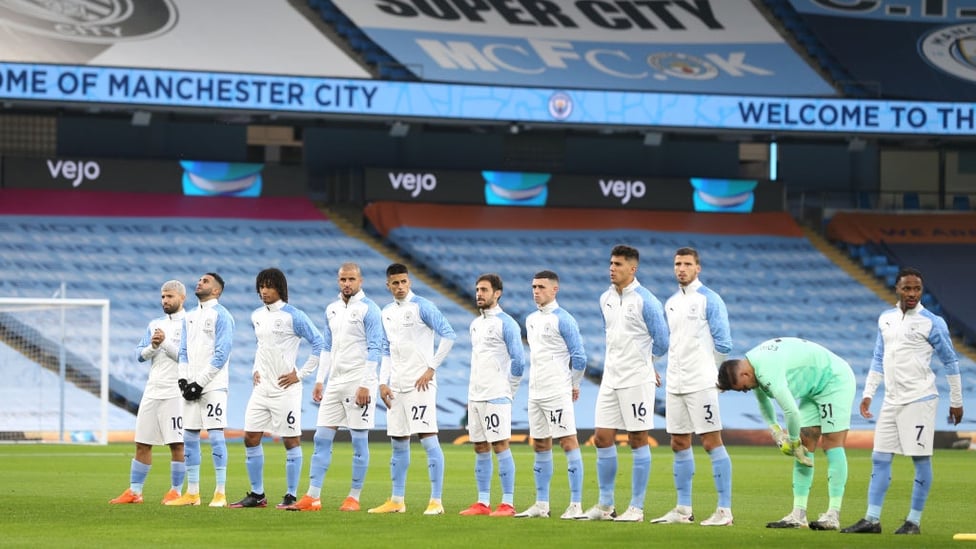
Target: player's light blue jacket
point(208, 336)
point(279, 329)
point(700, 338)
point(497, 355)
point(164, 369)
point(354, 342)
point(903, 356)
point(556, 355)
point(410, 326)
point(637, 334)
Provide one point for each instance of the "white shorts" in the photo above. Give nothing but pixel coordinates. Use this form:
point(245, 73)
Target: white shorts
point(207, 412)
point(629, 408)
point(907, 429)
point(412, 413)
point(339, 409)
point(693, 412)
point(489, 422)
point(553, 417)
point(278, 413)
point(160, 421)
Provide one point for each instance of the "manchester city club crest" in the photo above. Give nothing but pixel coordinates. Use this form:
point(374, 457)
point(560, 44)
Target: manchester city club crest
point(560, 106)
point(90, 21)
point(952, 50)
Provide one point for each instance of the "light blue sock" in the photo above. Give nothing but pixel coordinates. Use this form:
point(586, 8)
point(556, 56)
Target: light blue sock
point(321, 458)
point(921, 487)
point(218, 449)
point(191, 448)
point(254, 461)
point(642, 473)
point(191, 456)
point(506, 474)
point(574, 469)
point(293, 468)
point(880, 481)
point(483, 470)
point(684, 470)
point(360, 457)
point(543, 474)
point(722, 475)
point(398, 466)
point(606, 473)
point(435, 465)
point(137, 476)
point(177, 472)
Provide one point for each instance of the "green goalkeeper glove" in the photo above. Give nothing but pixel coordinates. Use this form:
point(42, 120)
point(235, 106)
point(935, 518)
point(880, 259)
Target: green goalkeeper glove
point(797, 450)
point(781, 438)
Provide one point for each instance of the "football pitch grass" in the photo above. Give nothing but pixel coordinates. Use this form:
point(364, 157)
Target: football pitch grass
point(58, 496)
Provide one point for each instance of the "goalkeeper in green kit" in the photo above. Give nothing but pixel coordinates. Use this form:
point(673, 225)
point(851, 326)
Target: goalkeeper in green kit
point(815, 389)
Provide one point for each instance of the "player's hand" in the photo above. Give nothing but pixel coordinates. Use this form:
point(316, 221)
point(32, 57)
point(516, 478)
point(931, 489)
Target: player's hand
point(575, 395)
point(255, 379)
point(657, 379)
point(158, 338)
point(387, 395)
point(362, 397)
point(317, 392)
point(193, 391)
point(800, 453)
point(866, 408)
point(781, 438)
point(287, 380)
point(955, 415)
point(423, 382)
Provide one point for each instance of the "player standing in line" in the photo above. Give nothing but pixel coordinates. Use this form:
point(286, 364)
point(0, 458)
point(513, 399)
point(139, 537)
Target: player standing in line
point(275, 405)
point(497, 364)
point(208, 334)
point(557, 361)
point(815, 389)
point(908, 334)
point(408, 385)
point(160, 417)
point(354, 345)
point(699, 341)
point(637, 335)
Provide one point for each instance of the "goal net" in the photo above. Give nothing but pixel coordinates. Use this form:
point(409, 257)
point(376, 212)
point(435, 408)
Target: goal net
point(54, 354)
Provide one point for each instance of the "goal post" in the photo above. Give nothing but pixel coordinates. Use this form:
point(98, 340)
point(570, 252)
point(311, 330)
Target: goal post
point(55, 356)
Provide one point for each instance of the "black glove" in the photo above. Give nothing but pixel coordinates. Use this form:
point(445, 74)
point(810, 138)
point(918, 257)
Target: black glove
point(182, 384)
point(193, 391)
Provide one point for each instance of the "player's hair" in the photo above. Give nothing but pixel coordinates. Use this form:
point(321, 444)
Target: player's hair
point(908, 271)
point(396, 269)
point(622, 250)
point(350, 266)
point(275, 279)
point(726, 373)
point(687, 250)
point(493, 279)
point(173, 286)
point(218, 279)
point(548, 275)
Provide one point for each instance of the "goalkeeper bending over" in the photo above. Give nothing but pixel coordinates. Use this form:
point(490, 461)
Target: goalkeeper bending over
point(815, 389)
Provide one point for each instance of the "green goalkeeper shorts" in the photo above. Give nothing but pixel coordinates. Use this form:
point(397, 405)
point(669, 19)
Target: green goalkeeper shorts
point(831, 408)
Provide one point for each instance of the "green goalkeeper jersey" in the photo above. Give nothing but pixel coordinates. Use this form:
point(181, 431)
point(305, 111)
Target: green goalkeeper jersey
point(788, 369)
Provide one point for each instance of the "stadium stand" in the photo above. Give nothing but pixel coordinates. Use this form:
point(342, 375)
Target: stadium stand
point(774, 281)
point(126, 258)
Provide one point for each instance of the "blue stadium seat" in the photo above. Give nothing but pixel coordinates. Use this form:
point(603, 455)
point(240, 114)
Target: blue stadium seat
point(910, 201)
point(960, 202)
